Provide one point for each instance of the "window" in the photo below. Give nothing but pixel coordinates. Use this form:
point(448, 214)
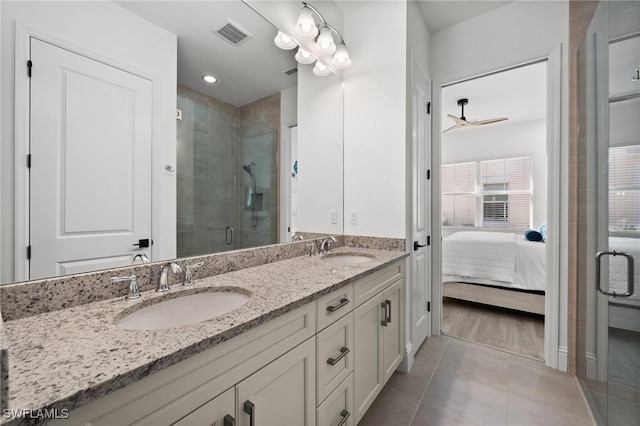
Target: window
point(624, 189)
point(488, 193)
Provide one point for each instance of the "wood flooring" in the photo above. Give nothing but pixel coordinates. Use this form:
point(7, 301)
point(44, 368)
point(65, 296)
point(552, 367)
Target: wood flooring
point(516, 332)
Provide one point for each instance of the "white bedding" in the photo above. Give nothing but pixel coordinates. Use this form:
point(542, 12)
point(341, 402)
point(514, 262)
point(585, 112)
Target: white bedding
point(494, 258)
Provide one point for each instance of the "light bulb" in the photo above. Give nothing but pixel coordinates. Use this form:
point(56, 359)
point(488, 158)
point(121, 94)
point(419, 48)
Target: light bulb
point(210, 78)
point(341, 58)
point(283, 41)
point(306, 28)
point(325, 43)
point(304, 57)
point(321, 70)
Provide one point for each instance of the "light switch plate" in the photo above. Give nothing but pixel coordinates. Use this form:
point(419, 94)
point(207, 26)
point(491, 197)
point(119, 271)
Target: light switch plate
point(334, 216)
point(354, 217)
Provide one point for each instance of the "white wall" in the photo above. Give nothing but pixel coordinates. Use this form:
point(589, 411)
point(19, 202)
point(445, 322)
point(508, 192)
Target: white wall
point(106, 32)
point(519, 32)
point(320, 157)
point(288, 118)
point(375, 118)
point(505, 140)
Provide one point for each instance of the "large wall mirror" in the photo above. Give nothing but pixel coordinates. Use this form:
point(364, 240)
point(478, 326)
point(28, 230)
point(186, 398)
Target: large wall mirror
point(133, 155)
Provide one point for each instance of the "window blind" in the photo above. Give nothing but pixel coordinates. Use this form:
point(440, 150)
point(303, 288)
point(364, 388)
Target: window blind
point(624, 188)
point(488, 193)
point(459, 194)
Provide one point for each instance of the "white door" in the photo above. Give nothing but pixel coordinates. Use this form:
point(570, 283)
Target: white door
point(421, 213)
point(90, 176)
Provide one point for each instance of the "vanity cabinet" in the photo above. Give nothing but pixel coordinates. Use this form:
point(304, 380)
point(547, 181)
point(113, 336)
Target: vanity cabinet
point(378, 342)
point(321, 364)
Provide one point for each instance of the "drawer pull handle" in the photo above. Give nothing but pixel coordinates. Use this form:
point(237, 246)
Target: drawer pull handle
point(388, 303)
point(345, 415)
point(250, 409)
point(229, 421)
point(343, 352)
point(385, 316)
point(342, 303)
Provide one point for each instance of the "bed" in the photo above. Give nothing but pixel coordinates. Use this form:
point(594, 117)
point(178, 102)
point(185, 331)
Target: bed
point(494, 258)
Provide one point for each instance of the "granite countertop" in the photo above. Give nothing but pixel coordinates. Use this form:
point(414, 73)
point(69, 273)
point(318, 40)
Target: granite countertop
point(69, 357)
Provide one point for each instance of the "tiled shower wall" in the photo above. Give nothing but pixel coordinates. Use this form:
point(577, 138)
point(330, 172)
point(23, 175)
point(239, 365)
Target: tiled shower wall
point(214, 140)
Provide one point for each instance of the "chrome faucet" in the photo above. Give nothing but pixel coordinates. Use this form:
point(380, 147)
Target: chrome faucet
point(188, 273)
point(297, 237)
point(143, 258)
point(134, 290)
point(325, 246)
point(163, 281)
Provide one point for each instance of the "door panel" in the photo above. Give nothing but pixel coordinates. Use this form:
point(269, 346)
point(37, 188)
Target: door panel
point(392, 332)
point(421, 216)
point(90, 179)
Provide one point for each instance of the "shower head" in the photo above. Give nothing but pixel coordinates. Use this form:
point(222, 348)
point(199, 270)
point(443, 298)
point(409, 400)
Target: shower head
point(249, 167)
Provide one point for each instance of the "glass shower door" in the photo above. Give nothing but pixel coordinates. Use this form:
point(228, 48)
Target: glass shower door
point(609, 333)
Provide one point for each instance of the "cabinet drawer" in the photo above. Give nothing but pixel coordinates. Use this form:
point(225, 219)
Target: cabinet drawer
point(335, 355)
point(334, 305)
point(369, 286)
point(337, 409)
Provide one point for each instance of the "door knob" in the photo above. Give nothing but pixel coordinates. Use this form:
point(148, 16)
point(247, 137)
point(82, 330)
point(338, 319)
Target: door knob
point(417, 245)
point(142, 243)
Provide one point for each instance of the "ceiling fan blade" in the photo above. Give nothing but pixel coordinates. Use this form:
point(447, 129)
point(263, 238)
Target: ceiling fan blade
point(489, 121)
point(456, 119)
point(455, 126)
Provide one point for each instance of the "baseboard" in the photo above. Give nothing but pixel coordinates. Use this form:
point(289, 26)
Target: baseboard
point(591, 366)
point(563, 359)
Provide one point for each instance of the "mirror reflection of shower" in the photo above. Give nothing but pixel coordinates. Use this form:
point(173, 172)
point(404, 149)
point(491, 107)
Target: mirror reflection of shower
point(251, 194)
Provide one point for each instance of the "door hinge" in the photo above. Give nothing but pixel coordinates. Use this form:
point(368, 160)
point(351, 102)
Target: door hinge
point(428, 174)
point(28, 161)
point(428, 306)
point(29, 252)
point(428, 240)
point(428, 107)
point(29, 67)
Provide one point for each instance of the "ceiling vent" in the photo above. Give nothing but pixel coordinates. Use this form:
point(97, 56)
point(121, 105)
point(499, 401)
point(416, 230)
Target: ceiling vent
point(292, 71)
point(233, 33)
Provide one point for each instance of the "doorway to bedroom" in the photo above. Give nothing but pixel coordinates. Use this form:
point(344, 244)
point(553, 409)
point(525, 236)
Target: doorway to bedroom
point(494, 186)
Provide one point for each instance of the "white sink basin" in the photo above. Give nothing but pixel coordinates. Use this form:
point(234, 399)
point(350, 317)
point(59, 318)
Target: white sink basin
point(183, 310)
point(348, 258)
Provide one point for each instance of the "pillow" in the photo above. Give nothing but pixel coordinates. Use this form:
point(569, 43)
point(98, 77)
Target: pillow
point(543, 231)
point(532, 235)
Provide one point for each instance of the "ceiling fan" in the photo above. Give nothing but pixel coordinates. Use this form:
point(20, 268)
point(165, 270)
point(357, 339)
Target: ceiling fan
point(462, 121)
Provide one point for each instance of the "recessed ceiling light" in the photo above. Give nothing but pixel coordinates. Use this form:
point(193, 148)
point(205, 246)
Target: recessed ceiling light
point(209, 78)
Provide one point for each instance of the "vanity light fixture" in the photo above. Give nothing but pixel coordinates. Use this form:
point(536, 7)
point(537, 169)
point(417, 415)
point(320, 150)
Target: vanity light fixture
point(210, 78)
point(284, 42)
point(321, 70)
point(304, 57)
point(327, 54)
point(306, 28)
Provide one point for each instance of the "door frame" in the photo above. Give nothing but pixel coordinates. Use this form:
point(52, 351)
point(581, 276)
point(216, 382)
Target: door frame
point(555, 356)
point(22, 105)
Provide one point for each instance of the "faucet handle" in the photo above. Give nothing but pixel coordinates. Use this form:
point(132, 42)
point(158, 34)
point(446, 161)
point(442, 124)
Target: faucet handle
point(143, 258)
point(188, 274)
point(134, 289)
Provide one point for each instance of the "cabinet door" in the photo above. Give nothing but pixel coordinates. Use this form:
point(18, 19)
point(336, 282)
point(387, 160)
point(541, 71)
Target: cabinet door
point(337, 409)
point(392, 331)
point(369, 375)
point(220, 411)
point(281, 394)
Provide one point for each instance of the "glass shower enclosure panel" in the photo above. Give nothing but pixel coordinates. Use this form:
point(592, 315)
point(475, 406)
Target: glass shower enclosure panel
point(227, 195)
point(609, 221)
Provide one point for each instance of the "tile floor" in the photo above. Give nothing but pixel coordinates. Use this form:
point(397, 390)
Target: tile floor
point(454, 382)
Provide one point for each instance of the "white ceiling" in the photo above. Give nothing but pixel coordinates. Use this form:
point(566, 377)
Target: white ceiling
point(518, 94)
point(247, 72)
point(445, 13)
